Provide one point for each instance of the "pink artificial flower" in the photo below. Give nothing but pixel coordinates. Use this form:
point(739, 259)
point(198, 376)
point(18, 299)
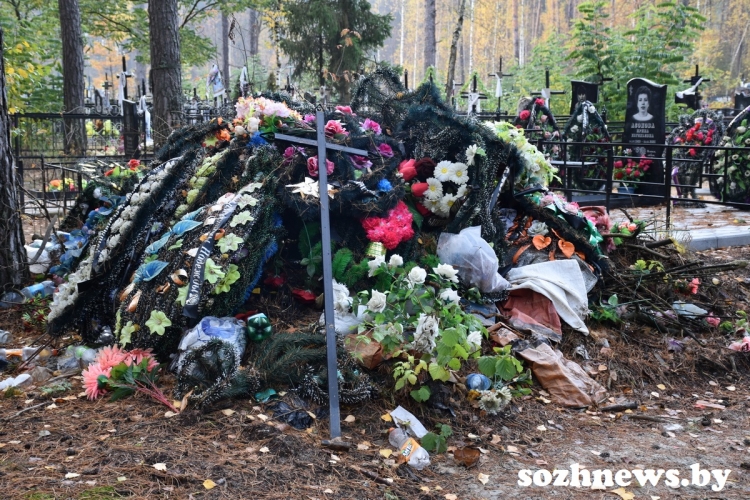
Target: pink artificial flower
point(312, 166)
point(334, 128)
point(390, 230)
point(309, 119)
point(407, 169)
point(632, 227)
point(418, 189)
point(692, 152)
point(525, 114)
point(347, 110)
point(138, 355)
point(693, 285)
point(540, 102)
point(713, 320)
point(422, 209)
point(618, 164)
point(360, 162)
point(372, 125)
point(742, 345)
point(91, 380)
point(385, 150)
point(108, 357)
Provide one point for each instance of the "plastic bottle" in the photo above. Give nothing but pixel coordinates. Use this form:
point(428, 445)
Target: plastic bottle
point(45, 289)
point(409, 449)
point(9, 299)
point(27, 352)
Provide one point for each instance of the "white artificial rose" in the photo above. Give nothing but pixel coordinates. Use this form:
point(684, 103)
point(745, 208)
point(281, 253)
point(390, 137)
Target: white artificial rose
point(579, 118)
point(449, 295)
point(342, 302)
point(395, 261)
point(252, 124)
point(416, 276)
point(426, 333)
point(474, 340)
point(374, 264)
point(377, 302)
point(592, 109)
point(447, 272)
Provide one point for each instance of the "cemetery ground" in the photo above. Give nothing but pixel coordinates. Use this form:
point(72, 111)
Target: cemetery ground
point(691, 406)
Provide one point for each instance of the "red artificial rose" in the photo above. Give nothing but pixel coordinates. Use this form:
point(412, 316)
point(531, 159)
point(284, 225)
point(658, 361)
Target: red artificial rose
point(418, 189)
point(618, 175)
point(540, 102)
point(109, 172)
point(134, 164)
point(304, 296)
point(692, 152)
point(407, 170)
point(275, 281)
point(699, 135)
point(334, 127)
point(637, 173)
point(618, 164)
point(708, 140)
point(628, 170)
point(425, 168)
point(525, 114)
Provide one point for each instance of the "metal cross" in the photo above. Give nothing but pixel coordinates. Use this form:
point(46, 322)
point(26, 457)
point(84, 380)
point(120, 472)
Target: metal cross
point(499, 88)
point(546, 92)
point(325, 234)
point(473, 96)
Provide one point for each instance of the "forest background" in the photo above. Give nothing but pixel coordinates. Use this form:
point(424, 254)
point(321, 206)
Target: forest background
point(617, 39)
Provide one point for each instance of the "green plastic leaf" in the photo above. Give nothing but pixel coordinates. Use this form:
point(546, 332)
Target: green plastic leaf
point(121, 392)
point(229, 243)
point(182, 294)
point(226, 282)
point(241, 218)
point(177, 244)
point(127, 332)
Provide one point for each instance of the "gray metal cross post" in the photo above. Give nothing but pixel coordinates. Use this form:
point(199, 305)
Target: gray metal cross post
point(474, 97)
point(325, 234)
point(546, 92)
point(499, 85)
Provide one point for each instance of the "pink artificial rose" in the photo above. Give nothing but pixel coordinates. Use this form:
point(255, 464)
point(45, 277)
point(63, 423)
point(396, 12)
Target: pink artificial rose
point(309, 119)
point(385, 150)
point(334, 128)
point(713, 320)
point(692, 152)
point(742, 346)
point(418, 189)
point(540, 102)
point(525, 114)
point(407, 170)
point(694, 285)
point(632, 227)
point(312, 166)
point(347, 110)
point(373, 126)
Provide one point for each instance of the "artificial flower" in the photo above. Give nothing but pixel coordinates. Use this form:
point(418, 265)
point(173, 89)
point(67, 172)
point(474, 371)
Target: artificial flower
point(458, 174)
point(158, 322)
point(360, 162)
point(416, 277)
point(91, 384)
point(377, 302)
point(434, 189)
point(742, 345)
point(443, 171)
point(312, 166)
point(524, 115)
point(471, 151)
point(447, 271)
point(107, 357)
point(347, 110)
point(537, 228)
point(449, 295)
point(446, 202)
point(391, 230)
point(334, 128)
point(425, 334)
point(342, 302)
point(395, 261)
point(425, 168)
point(418, 189)
point(304, 296)
point(407, 170)
point(385, 150)
point(374, 265)
point(372, 126)
point(474, 340)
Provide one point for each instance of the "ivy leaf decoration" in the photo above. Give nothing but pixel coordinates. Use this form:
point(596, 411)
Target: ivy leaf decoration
point(182, 294)
point(177, 244)
point(246, 200)
point(226, 282)
point(212, 273)
point(158, 322)
point(229, 243)
point(127, 332)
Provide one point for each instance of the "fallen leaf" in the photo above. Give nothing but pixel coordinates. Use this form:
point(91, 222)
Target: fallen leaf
point(51, 407)
point(450, 496)
point(169, 414)
point(466, 456)
point(71, 475)
point(364, 445)
point(602, 368)
point(160, 466)
point(483, 478)
point(264, 449)
point(335, 458)
point(426, 489)
point(208, 484)
point(662, 387)
point(512, 449)
point(496, 439)
point(263, 417)
point(731, 388)
point(122, 478)
point(545, 400)
point(350, 419)
point(228, 412)
point(541, 462)
point(387, 417)
point(711, 382)
point(328, 491)
point(385, 453)
point(706, 404)
point(472, 436)
point(91, 483)
point(312, 415)
point(623, 493)
point(438, 487)
point(655, 394)
point(482, 450)
point(541, 428)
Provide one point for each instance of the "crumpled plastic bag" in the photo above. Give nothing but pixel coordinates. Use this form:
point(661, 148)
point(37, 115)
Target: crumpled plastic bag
point(229, 330)
point(474, 259)
point(565, 380)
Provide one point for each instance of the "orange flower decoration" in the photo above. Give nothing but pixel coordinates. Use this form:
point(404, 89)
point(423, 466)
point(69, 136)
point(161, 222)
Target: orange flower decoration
point(540, 241)
point(223, 135)
point(566, 247)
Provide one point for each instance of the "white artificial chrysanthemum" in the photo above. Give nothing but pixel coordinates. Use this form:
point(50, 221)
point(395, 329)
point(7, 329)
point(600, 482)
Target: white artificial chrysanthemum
point(474, 340)
point(374, 264)
point(135, 199)
point(579, 118)
point(113, 241)
point(425, 334)
point(377, 302)
point(145, 187)
point(116, 225)
point(459, 175)
point(461, 191)
point(574, 129)
point(416, 277)
point(446, 271)
point(471, 151)
point(592, 109)
point(494, 401)
point(443, 170)
point(446, 203)
point(449, 295)
point(342, 302)
point(432, 205)
point(395, 261)
point(434, 189)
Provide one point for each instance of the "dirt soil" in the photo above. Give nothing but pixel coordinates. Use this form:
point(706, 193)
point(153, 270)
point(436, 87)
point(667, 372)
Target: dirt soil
point(64, 446)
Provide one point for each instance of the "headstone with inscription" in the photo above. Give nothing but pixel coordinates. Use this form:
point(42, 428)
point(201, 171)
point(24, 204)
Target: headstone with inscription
point(130, 133)
point(583, 91)
point(645, 127)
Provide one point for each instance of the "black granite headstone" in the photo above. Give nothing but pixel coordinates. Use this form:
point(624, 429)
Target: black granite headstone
point(741, 99)
point(583, 91)
point(130, 127)
point(645, 127)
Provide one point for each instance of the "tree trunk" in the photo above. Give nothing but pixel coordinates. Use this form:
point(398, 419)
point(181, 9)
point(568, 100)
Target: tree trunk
point(73, 78)
point(225, 52)
point(429, 34)
point(454, 47)
point(13, 268)
point(254, 31)
point(164, 29)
